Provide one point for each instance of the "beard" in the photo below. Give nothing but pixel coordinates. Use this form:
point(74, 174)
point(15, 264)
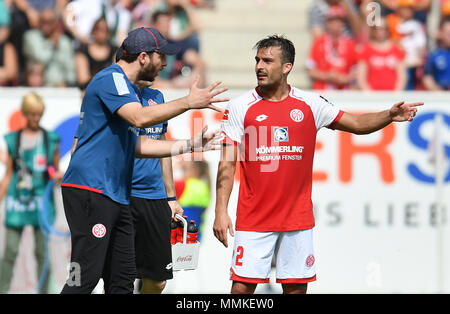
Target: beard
point(270, 82)
point(148, 73)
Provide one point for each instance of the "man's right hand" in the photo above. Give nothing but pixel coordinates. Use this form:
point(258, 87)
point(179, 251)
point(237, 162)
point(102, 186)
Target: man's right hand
point(223, 224)
point(203, 98)
point(203, 142)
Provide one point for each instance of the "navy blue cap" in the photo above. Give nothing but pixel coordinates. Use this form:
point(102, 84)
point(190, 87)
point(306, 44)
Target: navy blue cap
point(145, 39)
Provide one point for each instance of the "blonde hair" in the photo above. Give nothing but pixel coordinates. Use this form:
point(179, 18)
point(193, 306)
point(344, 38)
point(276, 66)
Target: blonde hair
point(32, 102)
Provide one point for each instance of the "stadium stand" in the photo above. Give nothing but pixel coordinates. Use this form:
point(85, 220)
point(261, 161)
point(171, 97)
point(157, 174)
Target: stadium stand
point(233, 27)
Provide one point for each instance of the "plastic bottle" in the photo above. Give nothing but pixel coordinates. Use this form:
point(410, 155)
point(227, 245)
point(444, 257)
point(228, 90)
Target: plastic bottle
point(173, 232)
point(192, 232)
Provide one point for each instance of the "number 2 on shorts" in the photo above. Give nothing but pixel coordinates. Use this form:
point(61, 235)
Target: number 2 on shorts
point(239, 255)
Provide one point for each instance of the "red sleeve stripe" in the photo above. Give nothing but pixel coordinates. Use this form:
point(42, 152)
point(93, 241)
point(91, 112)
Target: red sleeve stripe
point(338, 117)
point(254, 100)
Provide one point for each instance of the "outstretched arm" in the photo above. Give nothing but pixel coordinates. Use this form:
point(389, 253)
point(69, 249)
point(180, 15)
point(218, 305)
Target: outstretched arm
point(370, 122)
point(202, 142)
point(143, 117)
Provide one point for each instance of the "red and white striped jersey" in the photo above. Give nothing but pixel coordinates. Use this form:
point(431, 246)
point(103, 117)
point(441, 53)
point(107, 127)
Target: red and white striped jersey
point(277, 142)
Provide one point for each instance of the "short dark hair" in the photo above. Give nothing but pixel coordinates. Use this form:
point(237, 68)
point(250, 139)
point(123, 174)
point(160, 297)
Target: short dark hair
point(130, 58)
point(287, 47)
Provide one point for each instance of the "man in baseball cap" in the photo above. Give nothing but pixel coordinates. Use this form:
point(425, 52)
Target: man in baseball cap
point(97, 193)
point(149, 40)
point(145, 39)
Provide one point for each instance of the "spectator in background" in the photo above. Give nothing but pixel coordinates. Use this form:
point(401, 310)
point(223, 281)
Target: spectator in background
point(34, 74)
point(40, 5)
point(49, 46)
point(411, 35)
point(118, 17)
point(381, 63)
point(318, 11)
point(208, 4)
point(144, 9)
point(421, 8)
point(21, 19)
point(5, 21)
point(445, 9)
point(8, 56)
point(142, 12)
point(3, 156)
point(81, 15)
point(95, 56)
point(437, 68)
point(333, 55)
point(371, 13)
point(25, 15)
point(173, 76)
point(194, 191)
point(184, 26)
point(30, 154)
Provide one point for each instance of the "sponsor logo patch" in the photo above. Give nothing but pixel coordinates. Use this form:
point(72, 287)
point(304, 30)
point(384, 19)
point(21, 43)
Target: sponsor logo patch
point(281, 134)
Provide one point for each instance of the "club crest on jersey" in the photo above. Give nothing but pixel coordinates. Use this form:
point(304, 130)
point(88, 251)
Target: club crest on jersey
point(280, 134)
point(151, 102)
point(297, 115)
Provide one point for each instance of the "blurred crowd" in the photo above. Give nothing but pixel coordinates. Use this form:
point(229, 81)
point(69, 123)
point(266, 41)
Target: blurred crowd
point(379, 45)
point(357, 44)
point(64, 43)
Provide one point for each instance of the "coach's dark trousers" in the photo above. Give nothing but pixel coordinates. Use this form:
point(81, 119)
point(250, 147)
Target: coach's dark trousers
point(102, 243)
